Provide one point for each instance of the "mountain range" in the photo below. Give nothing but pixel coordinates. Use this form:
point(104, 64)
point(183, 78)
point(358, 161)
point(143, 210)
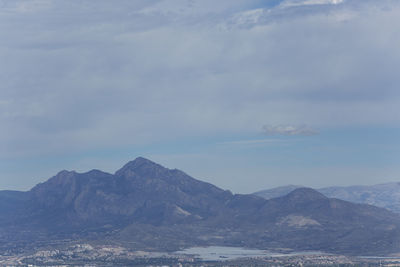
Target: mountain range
point(381, 195)
point(149, 207)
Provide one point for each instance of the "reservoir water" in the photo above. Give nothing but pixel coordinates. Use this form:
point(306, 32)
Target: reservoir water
point(213, 253)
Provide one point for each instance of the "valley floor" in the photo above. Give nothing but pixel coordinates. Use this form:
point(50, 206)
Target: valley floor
point(86, 255)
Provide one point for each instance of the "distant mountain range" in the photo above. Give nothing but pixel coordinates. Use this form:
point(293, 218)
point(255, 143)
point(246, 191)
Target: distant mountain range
point(146, 206)
point(381, 195)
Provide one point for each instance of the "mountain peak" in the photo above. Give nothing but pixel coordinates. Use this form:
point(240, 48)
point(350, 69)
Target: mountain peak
point(138, 165)
point(63, 177)
point(64, 173)
point(142, 160)
point(305, 194)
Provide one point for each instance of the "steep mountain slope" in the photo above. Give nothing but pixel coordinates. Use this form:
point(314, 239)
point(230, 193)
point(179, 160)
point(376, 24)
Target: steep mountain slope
point(146, 206)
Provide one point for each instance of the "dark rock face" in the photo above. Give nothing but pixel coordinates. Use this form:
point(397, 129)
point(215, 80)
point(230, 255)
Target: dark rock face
point(147, 206)
point(141, 187)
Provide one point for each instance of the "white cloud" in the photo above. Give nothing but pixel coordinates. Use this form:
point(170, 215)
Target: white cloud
point(289, 130)
point(290, 3)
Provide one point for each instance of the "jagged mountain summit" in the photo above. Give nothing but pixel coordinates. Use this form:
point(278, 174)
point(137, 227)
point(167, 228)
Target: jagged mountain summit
point(147, 206)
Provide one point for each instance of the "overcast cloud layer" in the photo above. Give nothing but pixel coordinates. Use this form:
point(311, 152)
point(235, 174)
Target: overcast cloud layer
point(81, 75)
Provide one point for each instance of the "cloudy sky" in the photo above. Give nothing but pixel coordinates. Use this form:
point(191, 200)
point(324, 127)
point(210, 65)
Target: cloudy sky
point(246, 94)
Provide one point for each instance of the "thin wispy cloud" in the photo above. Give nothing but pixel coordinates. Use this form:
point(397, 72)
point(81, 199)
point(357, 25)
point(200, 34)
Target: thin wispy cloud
point(290, 3)
point(289, 130)
point(252, 142)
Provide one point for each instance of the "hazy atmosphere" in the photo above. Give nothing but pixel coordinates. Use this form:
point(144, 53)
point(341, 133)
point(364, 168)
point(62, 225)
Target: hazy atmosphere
point(245, 94)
